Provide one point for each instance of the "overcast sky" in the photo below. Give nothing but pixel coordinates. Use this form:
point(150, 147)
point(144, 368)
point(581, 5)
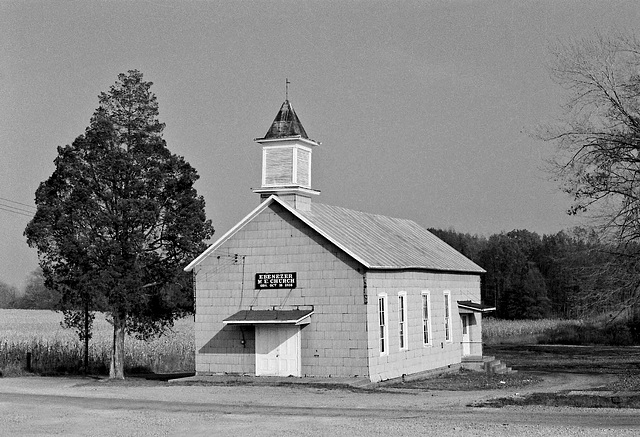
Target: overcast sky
point(424, 109)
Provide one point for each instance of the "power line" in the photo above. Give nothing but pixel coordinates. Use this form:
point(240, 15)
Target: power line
point(6, 208)
point(18, 208)
point(17, 203)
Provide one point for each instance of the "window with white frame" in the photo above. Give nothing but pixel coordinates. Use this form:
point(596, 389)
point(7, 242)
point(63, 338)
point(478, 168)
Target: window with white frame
point(382, 317)
point(402, 319)
point(447, 316)
point(426, 318)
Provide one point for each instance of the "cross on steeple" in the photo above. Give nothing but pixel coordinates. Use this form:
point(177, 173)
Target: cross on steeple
point(286, 86)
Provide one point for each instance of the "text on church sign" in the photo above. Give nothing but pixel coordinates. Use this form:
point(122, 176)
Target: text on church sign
point(276, 280)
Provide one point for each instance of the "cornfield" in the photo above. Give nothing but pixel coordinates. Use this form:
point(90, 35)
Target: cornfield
point(53, 349)
point(518, 331)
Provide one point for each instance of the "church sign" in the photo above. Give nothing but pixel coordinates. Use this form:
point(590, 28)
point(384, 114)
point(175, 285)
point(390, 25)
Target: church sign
point(275, 280)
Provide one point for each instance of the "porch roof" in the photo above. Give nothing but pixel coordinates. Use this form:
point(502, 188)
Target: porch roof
point(467, 306)
point(273, 316)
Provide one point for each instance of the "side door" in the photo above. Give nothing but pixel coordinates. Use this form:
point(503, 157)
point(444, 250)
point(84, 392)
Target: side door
point(466, 338)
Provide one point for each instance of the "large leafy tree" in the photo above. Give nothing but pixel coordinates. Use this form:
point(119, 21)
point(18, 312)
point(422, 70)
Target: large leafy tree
point(119, 218)
point(598, 144)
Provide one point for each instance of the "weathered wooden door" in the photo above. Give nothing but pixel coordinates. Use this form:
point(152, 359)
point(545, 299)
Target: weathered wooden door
point(466, 338)
point(277, 350)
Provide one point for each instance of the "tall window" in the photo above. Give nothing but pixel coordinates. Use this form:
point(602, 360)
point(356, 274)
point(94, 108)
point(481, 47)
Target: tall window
point(426, 318)
point(382, 313)
point(447, 316)
point(402, 319)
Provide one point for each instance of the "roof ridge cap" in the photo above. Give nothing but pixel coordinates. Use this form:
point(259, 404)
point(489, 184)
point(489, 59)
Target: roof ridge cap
point(366, 213)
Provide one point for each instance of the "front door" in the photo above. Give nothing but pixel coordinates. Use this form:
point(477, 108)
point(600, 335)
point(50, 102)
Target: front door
point(277, 350)
point(466, 340)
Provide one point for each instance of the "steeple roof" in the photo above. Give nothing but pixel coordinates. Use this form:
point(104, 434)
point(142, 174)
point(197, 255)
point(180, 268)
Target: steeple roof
point(286, 124)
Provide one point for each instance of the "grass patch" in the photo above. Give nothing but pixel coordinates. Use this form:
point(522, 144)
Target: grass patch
point(566, 400)
point(560, 358)
point(626, 382)
point(613, 333)
point(621, 361)
point(469, 380)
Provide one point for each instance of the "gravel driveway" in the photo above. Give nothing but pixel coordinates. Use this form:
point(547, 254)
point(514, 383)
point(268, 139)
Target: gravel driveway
point(78, 407)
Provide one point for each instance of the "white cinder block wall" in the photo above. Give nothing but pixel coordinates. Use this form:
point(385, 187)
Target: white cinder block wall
point(334, 343)
point(417, 357)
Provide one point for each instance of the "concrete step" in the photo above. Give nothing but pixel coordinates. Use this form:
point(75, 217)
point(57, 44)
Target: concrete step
point(486, 363)
point(496, 366)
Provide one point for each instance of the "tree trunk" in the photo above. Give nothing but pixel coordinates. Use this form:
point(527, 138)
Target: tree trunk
point(86, 337)
point(116, 369)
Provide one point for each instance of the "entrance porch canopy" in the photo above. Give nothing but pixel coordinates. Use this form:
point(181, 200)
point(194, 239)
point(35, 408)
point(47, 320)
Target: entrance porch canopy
point(259, 317)
point(468, 307)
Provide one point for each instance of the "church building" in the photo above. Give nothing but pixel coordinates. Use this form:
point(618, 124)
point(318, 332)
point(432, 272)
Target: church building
point(300, 288)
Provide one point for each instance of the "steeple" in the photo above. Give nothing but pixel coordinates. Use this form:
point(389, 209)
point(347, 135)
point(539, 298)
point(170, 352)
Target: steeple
point(286, 160)
point(286, 124)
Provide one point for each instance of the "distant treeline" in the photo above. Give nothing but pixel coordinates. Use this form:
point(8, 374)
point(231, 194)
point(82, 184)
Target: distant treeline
point(34, 295)
point(570, 274)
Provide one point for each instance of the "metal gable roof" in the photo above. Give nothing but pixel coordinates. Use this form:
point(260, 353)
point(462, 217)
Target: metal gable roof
point(375, 241)
point(382, 242)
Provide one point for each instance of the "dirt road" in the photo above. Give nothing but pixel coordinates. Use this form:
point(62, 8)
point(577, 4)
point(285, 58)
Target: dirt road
point(78, 407)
